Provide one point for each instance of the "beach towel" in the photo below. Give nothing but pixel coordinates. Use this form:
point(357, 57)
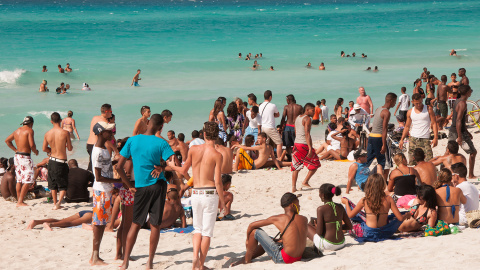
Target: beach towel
point(442, 228)
point(405, 201)
point(188, 229)
point(245, 162)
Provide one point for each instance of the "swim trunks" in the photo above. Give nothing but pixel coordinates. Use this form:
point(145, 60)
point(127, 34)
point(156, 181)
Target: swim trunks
point(126, 196)
point(315, 122)
point(57, 175)
point(288, 138)
point(150, 200)
point(204, 210)
point(443, 108)
point(23, 168)
point(102, 207)
point(300, 159)
point(136, 84)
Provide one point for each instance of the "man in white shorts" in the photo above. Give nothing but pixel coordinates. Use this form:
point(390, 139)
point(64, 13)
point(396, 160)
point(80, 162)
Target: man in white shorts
point(268, 112)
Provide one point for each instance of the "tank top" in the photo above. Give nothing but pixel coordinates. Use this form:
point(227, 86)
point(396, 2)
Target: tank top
point(420, 127)
point(300, 130)
point(363, 171)
point(377, 125)
point(453, 128)
point(405, 184)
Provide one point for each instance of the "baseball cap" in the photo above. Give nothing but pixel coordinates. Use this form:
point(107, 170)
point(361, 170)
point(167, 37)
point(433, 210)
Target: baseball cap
point(359, 153)
point(357, 107)
point(288, 198)
point(102, 126)
point(27, 120)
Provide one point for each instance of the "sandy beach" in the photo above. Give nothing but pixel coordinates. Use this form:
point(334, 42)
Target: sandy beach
point(257, 196)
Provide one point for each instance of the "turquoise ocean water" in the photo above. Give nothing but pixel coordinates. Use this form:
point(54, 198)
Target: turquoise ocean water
point(187, 51)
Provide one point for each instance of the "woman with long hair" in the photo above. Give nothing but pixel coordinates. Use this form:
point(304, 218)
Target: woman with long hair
point(219, 118)
point(448, 197)
point(417, 84)
point(423, 210)
point(338, 108)
point(374, 223)
point(68, 124)
point(235, 122)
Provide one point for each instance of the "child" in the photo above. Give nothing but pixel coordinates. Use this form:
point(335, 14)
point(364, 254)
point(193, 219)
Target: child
point(227, 182)
point(102, 187)
point(326, 230)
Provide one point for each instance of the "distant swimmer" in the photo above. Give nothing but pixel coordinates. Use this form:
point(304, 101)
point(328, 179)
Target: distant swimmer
point(68, 68)
point(67, 86)
point(254, 67)
point(261, 55)
point(239, 55)
point(60, 69)
point(364, 55)
point(322, 66)
point(86, 87)
point(256, 63)
point(271, 68)
point(247, 58)
point(249, 55)
point(68, 124)
point(136, 78)
point(353, 54)
point(43, 86)
point(368, 69)
point(376, 69)
point(342, 54)
point(309, 65)
point(256, 56)
point(453, 52)
point(44, 69)
point(348, 55)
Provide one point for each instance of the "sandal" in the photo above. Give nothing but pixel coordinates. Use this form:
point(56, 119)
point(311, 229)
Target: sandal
point(229, 217)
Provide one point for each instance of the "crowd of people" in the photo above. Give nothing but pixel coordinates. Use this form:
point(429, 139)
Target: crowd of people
point(146, 175)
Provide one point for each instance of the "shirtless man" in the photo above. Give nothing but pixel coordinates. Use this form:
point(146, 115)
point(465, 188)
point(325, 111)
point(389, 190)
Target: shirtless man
point(167, 116)
point(292, 239)
point(464, 79)
point(442, 95)
point(347, 144)
point(68, 68)
point(136, 78)
point(265, 151)
point(450, 157)
point(252, 100)
point(43, 86)
point(59, 140)
point(290, 113)
point(365, 101)
point(227, 155)
point(424, 75)
point(182, 146)
point(142, 122)
point(24, 139)
point(173, 209)
point(106, 112)
point(426, 169)
point(60, 69)
point(206, 163)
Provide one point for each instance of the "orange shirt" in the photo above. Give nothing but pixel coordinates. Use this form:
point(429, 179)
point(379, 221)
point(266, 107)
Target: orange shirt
point(318, 111)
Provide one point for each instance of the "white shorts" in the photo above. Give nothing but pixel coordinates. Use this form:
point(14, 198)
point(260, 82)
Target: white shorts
point(322, 244)
point(204, 210)
point(24, 169)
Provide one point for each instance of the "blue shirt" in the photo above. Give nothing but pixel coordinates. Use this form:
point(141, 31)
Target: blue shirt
point(146, 151)
point(362, 173)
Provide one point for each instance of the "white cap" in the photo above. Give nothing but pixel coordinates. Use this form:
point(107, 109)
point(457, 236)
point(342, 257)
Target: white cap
point(356, 107)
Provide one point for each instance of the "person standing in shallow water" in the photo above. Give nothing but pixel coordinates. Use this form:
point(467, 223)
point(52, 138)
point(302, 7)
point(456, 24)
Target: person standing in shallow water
point(136, 78)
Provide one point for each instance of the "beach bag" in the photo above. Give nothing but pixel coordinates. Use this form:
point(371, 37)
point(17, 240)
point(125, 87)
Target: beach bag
point(442, 228)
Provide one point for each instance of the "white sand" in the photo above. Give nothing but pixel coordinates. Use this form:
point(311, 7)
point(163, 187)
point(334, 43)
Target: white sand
point(257, 196)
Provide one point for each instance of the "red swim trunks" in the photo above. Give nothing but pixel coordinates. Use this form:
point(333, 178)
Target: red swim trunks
point(300, 159)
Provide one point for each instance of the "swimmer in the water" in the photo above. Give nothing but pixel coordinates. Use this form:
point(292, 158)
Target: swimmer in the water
point(309, 65)
point(67, 86)
point(353, 54)
point(342, 54)
point(376, 69)
point(68, 68)
point(261, 55)
point(68, 124)
point(368, 69)
point(271, 68)
point(44, 69)
point(254, 67)
point(249, 55)
point(60, 69)
point(348, 55)
point(43, 86)
point(453, 52)
point(256, 56)
point(364, 55)
point(136, 78)
point(239, 55)
point(322, 66)
point(86, 87)
point(247, 58)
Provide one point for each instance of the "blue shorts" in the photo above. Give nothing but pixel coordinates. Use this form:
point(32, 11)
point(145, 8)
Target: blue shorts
point(273, 249)
point(373, 151)
point(136, 84)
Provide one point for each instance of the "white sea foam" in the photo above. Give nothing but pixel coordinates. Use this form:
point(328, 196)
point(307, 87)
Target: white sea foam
point(11, 77)
point(47, 114)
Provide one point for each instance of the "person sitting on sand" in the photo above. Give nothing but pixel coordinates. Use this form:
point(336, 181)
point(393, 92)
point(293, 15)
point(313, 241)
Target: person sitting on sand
point(8, 185)
point(347, 144)
point(469, 190)
point(322, 66)
point(41, 170)
point(173, 209)
point(374, 224)
point(450, 157)
point(227, 183)
point(289, 246)
point(81, 218)
point(79, 180)
point(448, 197)
point(425, 169)
point(358, 171)
point(423, 210)
point(326, 231)
point(403, 179)
point(265, 151)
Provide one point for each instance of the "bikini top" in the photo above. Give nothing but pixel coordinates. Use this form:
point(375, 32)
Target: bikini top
point(453, 206)
point(338, 224)
point(378, 215)
point(421, 219)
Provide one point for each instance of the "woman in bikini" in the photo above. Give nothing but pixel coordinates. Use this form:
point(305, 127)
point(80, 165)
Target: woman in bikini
point(403, 179)
point(235, 123)
point(417, 87)
point(374, 224)
point(326, 231)
point(430, 88)
point(423, 210)
point(219, 118)
point(338, 108)
point(68, 124)
point(448, 197)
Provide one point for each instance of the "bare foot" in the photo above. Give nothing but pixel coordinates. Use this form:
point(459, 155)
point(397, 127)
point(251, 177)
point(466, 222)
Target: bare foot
point(241, 261)
point(97, 261)
point(47, 227)
point(124, 266)
point(87, 227)
point(149, 265)
point(472, 177)
point(294, 190)
point(108, 229)
point(57, 206)
point(21, 204)
point(31, 225)
point(306, 185)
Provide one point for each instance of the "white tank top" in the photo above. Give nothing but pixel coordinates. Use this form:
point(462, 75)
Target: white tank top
point(420, 127)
